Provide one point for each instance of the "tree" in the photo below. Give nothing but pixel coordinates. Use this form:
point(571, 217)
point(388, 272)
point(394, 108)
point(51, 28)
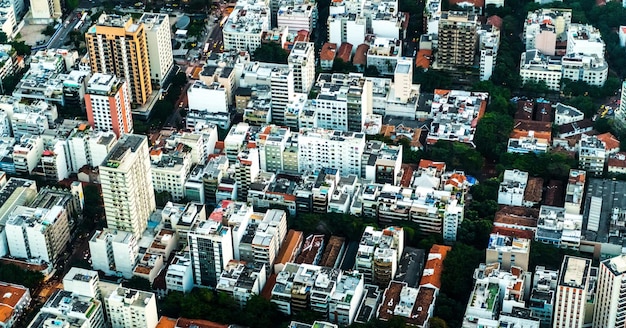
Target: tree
point(49, 30)
point(3, 38)
point(271, 53)
point(162, 197)
point(343, 67)
point(372, 71)
point(457, 155)
point(21, 48)
point(436, 322)
point(261, 313)
point(602, 125)
point(71, 4)
point(492, 134)
point(138, 283)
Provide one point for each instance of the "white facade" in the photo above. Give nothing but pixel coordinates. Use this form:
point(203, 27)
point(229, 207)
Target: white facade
point(590, 69)
point(512, 188)
point(586, 40)
point(70, 307)
point(179, 276)
point(169, 173)
point(536, 67)
point(114, 252)
point(347, 28)
point(245, 26)
point(126, 179)
point(127, 307)
point(88, 147)
point(211, 248)
point(159, 42)
point(37, 233)
point(571, 293)
point(610, 305)
point(565, 114)
point(318, 148)
point(302, 62)
point(297, 17)
point(591, 154)
point(82, 282)
point(8, 18)
point(45, 10)
point(26, 154)
point(207, 98)
point(489, 41)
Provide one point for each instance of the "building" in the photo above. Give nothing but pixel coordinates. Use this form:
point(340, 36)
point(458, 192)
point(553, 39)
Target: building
point(170, 170)
point(457, 39)
point(557, 227)
point(15, 301)
point(118, 46)
point(620, 111)
point(319, 148)
point(378, 254)
point(44, 11)
point(609, 306)
point(114, 252)
point(86, 146)
point(565, 114)
point(211, 248)
point(543, 27)
point(27, 153)
point(448, 122)
point(301, 61)
point(488, 43)
point(82, 282)
point(203, 112)
point(69, 307)
point(244, 27)
point(586, 40)
point(574, 192)
point(298, 17)
point(535, 66)
point(327, 56)
point(127, 307)
point(108, 104)
point(508, 251)
point(37, 233)
point(350, 28)
point(241, 280)
point(591, 69)
point(8, 19)
point(383, 53)
point(571, 293)
point(541, 302)
point(512, 187)
point(126, 180)
point(415, 305)
point(591, 154)
point(179, 274)
point(159, 42)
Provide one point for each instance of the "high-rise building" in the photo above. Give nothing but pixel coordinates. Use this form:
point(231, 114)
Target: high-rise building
point(126, 179)
point(159, 42)
point(246, 171)
point(302, 61)
point(118, 46)
point(245, 26)
point(114, 252)
point(45, 10)
point(108, 104)
point(571, 292)
point(320, 148)
point(457, 39)
point(610, 306)
point(66, 309)
point(82, 282)
point(127, 307)
point(211, 248)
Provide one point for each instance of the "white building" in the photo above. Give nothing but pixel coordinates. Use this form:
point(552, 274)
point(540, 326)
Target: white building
point(280, 79)
point(343, 102)
point(170, 171)
point(346, 298)
point(82, 282)
point(348, 28)
point(68, 307)
point(45, 11)
point(85, 146)
point(488, 43)
point(127, 307)
point(298, 17)
point(586, 40)
point(591, 69)
point(512, 188)
point(571, 293)
point(179, 276)
point(114, 252)
point(302, 61)
point(384, 54)
point(208, 104)
point(159, 42)
point(244, 27)
point(591, 154)
point(564, 114)
point(126, 179)
point(610, 308)
point(535, 66)
point(211, 248)
point(37, 233)
point(378, 254)
point(318, 148)
point(242, 280)
point(8, 18)
point(543, 26)
point(27, 153)
point(450, 123)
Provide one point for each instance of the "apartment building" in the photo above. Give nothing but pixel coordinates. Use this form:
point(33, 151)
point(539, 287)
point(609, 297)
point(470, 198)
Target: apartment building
point(512, 187)
point(591, 69)
point(45, 11)
point(384, 53)
point(346, 27)
point(244, 27)
point(298, 17)
point(127, 190)
point(279, 77)
point(541, 302)
point(118, 46)
point(179, 275)
point(127, 307)
point(574, 192)
point(272, 142)
point(508, 251)
point(201, 185)
point(585, 39)
point(447, 123)
point(557, 227)
point(591, 154)
point(378, 254)
point(8, 14)
point(114, 252)
point(343, 102)
point(319, 148)
point(211, 248)
point(241, 280)
point(27, 153)
point(544, 26)
point(457, 39)
point(414, 305)
point(87, 146)
point(534, 66)
point(16, 304)
point(82, 282)
point(488, 44)
point(108, 104)
point(37, 233)
point(610, 309)
point(571, 293)
point(66, 307)
point(301, 61)
point(203, 112)
point(170, 169)
point(159, 43)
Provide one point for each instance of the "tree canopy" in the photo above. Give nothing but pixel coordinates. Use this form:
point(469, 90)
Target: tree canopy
point(271, 53)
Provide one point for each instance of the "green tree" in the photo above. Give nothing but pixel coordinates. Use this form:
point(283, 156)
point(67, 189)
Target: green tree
point(71, 4)
point(21, 48)
point(372, 71)
point(492, 134)
point(49, 30)
point(261, 313)
point(343, 67)
point(271, 53)
point(436, 322)
point(457, 156)
point(602, 125)
point(162, 197)
point(3, 38)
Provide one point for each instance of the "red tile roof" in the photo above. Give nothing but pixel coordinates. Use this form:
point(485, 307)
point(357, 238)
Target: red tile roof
point(434, 266)
point(345, 51)
point(423, 58)
point(360, 56)
point(511, 232)
point(329, 50)
point(609, 140)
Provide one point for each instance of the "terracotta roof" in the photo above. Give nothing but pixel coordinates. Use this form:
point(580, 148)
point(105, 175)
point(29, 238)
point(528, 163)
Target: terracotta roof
point(303, 35)
point(407, 175)
point(544, 112)
point(196, 323)
point(434, 266)
point(266, 293)
point(10, 296)
point(360, 56)
point(344, 52)
point(555, 195)
point(617, 160)
point(420, 312)
point(332, 251)
point(290, 248)
point(313, 244)
point(474, 3)
point(525, 110)
point(426, 163)
point(511, 232)
point(609, 140)
point(423, 58)
point(329, 50)
point(495, 20)
point(165, 322)
point(534, 190)
point(517, 215)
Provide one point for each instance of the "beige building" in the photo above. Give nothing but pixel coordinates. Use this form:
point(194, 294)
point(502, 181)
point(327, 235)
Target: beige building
point(117, 45)
point(508, 251)
point(457, 39)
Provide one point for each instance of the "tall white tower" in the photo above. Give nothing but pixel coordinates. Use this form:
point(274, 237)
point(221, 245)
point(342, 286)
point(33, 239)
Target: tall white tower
point(610, 307)
point(126, 180)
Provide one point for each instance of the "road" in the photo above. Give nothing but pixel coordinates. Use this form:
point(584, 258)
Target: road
point(60, 38)
point(180, 104)
point(216, 39)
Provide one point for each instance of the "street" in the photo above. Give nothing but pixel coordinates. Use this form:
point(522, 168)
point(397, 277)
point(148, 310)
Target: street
point(59, 39)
